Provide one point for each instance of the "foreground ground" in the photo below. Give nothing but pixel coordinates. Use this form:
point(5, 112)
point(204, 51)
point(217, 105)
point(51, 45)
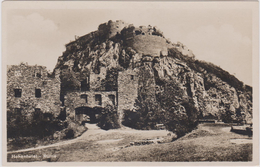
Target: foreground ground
point(210, 142)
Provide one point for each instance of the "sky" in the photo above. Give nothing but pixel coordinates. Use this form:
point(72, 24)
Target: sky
point(218, 33)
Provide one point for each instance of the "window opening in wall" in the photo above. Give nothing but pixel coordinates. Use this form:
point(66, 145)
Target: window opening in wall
point(38, 73)
point(84, 97)
point(98, 99)
point(137, 32)
point(85, 85)
point(132, 77)
point(18, 92)
point(38, 93)
point(112, 98)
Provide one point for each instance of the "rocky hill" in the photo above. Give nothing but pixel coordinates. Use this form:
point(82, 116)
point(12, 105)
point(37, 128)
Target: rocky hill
point(117, 46)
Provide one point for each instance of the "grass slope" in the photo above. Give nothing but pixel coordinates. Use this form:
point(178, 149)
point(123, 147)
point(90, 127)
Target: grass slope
point(210, 142)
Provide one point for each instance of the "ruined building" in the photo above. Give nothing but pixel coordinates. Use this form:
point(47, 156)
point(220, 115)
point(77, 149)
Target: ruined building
point(119, 63)
point(30, 89)
point(88, 101)
point(88, 83)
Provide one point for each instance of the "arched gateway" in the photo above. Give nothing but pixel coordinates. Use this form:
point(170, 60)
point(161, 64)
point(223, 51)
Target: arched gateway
point(87, 114)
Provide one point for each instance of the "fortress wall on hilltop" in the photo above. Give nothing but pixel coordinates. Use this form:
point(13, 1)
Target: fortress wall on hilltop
point(148, 44)
point(116, 27)
point(111, 28)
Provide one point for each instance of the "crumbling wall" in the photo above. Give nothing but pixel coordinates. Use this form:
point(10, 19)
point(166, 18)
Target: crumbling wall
point(28, 79)
point(127, 90)
point(148, 44)
point(110, 29)
point(145, 40)
point(96, 80)
point(184, 49)
point(77, 99)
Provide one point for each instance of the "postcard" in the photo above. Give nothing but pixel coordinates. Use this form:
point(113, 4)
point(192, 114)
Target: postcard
point(127, 83)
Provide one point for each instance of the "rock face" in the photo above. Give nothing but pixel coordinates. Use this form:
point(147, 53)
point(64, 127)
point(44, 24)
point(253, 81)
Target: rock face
point(135, 61)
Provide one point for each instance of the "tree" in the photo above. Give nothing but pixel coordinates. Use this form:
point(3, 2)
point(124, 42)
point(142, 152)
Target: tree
point(108, 118)
point(145, 115)
point(180, 111)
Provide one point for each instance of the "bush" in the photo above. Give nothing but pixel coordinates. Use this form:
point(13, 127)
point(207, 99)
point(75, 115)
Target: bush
point(171, 107)
point(40, 126)
point(181, 114)
point(108, 118)
point(69, 134)
point(146, 115)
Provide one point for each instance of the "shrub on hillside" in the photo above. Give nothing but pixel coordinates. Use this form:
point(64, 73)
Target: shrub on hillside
point(39, 125)
point(69, 134)
point(181, 117)
point(108, 118)
point(171, 107)
point(181, 113)
point(177, 121)
point(146, 114)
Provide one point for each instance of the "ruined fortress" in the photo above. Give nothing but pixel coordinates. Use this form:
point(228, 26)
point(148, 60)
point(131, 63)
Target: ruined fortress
point(113, 66)
point(31, 89)
point(90, 95)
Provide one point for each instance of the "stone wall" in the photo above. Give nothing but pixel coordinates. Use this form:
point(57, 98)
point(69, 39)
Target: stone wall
point(148, 45)
point(127, 90)
point(77, 99)
point(146, 40)
point(110, 29)
point(28, 79)
point(184, 49)
point(97, 79)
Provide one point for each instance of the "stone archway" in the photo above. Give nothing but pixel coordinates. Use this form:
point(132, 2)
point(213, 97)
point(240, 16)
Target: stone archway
point(87, 114)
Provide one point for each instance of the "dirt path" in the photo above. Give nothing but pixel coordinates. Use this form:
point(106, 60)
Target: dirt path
point(209, 142)
point(92, 133)
point(92, 130)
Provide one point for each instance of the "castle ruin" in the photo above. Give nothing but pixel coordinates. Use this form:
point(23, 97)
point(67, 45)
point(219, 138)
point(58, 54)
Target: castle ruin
point(31, 89)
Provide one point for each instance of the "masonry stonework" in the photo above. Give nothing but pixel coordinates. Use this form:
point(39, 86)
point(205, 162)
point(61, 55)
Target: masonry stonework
point(127, 90)
point(77, 99)
point(36, 89)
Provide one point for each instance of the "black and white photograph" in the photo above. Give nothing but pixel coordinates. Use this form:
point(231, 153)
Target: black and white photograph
point(136, 83)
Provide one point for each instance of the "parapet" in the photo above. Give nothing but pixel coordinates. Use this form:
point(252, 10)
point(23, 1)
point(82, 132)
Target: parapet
point(146, 40)
point(110, 29)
